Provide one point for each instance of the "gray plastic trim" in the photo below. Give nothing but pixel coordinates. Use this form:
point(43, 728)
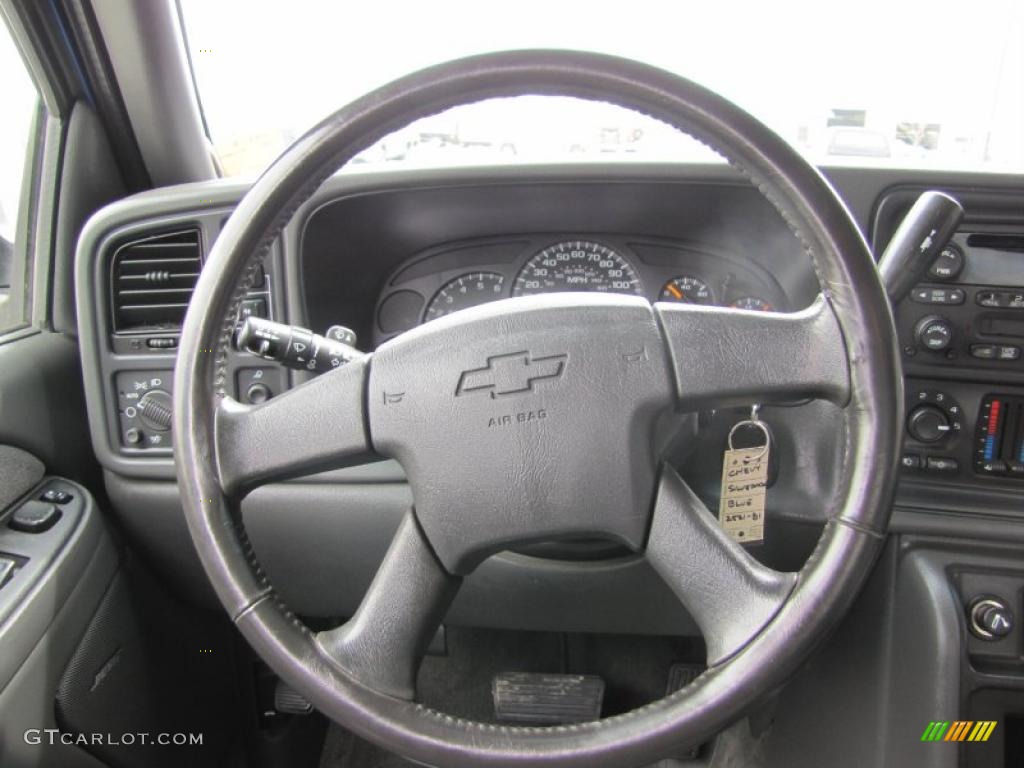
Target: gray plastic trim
point(56, 562)
point(144, 42)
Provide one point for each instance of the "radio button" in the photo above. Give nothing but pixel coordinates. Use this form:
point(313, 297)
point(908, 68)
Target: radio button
point(945, 296)
point(934, 333)
point(989, 299)
point(948, 263)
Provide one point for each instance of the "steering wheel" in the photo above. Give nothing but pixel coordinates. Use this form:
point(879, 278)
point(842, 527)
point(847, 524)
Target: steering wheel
point(596, 372)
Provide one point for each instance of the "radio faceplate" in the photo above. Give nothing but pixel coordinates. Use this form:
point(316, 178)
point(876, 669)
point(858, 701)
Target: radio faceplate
point(970, 312)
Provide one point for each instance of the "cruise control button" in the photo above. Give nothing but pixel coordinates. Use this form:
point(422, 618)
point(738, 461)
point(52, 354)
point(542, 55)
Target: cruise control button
point(1008, 353)
point(942, 464)
point(911, 461)
point(983, 351)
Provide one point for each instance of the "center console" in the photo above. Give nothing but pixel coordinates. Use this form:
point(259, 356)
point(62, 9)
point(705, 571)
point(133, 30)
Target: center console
point(961, 333)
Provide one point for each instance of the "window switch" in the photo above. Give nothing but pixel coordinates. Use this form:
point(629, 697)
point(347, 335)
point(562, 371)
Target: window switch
point(56, 496)
point(34, 517)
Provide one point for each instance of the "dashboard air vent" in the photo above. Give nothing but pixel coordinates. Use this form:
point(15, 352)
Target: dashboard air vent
point(153, 279)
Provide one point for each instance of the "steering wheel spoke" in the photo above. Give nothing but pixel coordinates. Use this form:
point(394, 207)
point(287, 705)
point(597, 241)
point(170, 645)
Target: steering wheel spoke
point(314, 427)
point(725, 357)
point(382, 645)
point(730, 595)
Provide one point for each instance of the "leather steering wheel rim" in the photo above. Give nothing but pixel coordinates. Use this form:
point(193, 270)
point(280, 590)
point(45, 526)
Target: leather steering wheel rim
point(870, 391)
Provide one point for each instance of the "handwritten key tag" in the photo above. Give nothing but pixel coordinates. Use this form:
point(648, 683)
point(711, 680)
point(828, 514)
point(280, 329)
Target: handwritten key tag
point(744, 482)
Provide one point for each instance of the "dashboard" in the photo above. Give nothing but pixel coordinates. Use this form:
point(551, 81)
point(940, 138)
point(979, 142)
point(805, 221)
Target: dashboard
point(382, 253)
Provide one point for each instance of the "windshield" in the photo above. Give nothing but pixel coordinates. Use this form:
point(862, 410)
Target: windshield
point(914, 85)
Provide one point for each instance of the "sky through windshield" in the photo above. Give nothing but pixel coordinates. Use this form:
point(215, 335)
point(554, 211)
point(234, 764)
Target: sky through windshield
point(935, 84)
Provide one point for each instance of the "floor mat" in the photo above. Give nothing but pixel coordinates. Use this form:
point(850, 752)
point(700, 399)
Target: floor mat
point(635, 670)
point(343, 750)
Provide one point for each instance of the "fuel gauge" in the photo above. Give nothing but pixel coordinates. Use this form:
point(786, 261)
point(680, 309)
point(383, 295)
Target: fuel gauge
point(687, 290)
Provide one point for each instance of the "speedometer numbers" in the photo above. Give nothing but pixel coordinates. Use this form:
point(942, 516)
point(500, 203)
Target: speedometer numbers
point(463, 292)
point(575, 265)
point(578, 265)
point(752, 303)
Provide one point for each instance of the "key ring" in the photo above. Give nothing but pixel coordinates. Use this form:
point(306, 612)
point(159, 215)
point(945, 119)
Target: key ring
point(753, 421)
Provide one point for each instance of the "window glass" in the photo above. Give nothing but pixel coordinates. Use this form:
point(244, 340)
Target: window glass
point(936, 85)
point(20, 100)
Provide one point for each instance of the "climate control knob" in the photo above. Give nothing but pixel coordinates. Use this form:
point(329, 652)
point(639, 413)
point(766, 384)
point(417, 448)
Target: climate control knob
point(928, 424)
point(934, 333)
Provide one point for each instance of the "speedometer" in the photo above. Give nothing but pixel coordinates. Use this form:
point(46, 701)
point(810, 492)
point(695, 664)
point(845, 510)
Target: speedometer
point(577, 265)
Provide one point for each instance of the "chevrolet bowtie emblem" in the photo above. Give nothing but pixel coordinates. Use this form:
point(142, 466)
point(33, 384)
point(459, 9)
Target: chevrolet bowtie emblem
point(510, 374)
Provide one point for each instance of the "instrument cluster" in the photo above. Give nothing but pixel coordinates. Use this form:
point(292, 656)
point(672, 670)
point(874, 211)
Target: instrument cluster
point(458, 276)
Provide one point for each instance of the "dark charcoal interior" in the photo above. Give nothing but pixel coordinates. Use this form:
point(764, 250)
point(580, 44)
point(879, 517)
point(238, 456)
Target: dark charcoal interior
point(107, 618)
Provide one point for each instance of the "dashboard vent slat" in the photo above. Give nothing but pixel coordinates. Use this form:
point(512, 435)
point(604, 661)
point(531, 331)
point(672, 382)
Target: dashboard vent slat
point(152, 280)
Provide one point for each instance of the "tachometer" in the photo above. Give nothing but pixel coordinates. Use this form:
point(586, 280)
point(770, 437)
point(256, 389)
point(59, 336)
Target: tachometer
point(687, 290)
point(463, 292)
point(577, 265)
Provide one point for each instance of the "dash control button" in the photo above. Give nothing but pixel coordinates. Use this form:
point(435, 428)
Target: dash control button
point(34, 517)
point(994, 467)
point(942, 464)
point(911, 461)
point(990, 618)
point(1008, 353)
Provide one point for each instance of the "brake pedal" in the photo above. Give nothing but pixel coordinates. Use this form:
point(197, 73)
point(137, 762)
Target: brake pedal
point(681, 675)
point(541, 699)
point(288, 701)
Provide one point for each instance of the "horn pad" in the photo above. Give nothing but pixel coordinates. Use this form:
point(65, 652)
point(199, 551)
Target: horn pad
point(525, 420)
